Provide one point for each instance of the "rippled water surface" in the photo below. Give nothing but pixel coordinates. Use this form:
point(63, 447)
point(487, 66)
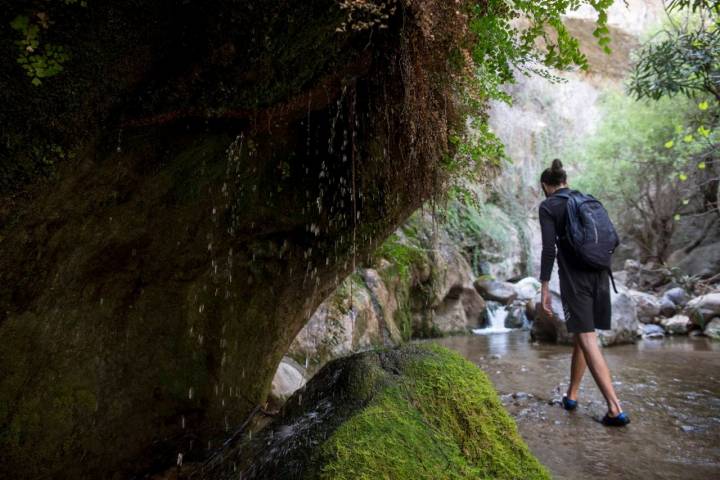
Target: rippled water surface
point(670, 388)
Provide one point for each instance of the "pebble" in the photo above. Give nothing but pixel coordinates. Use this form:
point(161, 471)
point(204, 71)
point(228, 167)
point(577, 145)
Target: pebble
point(687, 428)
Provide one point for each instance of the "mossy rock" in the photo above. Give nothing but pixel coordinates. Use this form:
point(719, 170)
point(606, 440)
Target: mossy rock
point(419, 411)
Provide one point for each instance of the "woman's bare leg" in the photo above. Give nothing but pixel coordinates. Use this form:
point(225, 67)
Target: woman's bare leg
point(599, 369)
point(577, 370)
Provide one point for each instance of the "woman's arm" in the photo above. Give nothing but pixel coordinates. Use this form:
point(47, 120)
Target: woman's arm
point(547, 256)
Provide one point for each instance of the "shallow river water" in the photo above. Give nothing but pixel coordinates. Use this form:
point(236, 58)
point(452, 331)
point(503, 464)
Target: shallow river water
point(670, 388)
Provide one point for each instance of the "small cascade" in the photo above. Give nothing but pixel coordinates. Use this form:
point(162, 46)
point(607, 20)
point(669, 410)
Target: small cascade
point(496, 320)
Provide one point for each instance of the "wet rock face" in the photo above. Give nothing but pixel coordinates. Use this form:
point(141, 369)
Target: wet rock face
point(156, 282)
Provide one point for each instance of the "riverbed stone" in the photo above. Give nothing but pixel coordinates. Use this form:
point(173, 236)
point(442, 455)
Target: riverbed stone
point(648, 306)
point(354, 419)
point(527, 288)
point(667, 307)
point(503, 292)
point(701, 309)
point(679, 324)
point(624, 321)
point(651, 331)
point(677, 295)
point(712, 329)
point(516, 317)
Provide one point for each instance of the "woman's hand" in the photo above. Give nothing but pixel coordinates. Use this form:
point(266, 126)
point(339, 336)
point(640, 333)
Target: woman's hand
point(546, 299)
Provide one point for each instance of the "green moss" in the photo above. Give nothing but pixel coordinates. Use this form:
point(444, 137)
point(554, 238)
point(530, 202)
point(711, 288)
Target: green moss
point(442, 420)
point(402, 254)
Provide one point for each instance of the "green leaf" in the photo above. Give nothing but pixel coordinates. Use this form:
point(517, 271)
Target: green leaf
point(685, 201)
point(669, 144)
point(20, 23)
point(705, 132)
point(36, 81)
point(682, 176)
point(688, 138)
point(677, 217)
point(701, 165)
point(703, 105)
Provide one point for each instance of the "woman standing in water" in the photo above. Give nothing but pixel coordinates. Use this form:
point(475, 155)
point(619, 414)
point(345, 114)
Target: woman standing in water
point(585, 294)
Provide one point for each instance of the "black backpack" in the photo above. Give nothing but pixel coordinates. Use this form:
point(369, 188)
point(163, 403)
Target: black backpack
point(590, 231)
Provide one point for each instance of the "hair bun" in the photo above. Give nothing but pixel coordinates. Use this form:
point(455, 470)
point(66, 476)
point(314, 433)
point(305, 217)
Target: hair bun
point(556, 166)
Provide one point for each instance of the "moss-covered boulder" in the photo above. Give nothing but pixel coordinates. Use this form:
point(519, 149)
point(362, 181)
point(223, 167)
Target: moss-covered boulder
point(419, 411)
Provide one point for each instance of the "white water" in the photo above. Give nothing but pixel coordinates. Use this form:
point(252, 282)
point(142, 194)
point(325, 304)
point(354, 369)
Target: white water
point(497, 316)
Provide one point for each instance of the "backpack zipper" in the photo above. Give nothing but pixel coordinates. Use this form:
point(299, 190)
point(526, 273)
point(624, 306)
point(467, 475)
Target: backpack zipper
point(594, 227)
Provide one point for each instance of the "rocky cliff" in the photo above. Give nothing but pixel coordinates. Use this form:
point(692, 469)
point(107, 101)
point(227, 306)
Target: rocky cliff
point(200, 178)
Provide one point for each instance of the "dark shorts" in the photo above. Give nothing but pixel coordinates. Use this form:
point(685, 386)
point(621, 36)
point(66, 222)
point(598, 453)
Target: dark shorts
point(585, 297)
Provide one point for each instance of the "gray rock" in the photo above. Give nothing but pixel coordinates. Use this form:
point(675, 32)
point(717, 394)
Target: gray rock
point(648, 306)
point(502, 292)
point(677, 295)
point(550, 328)
point(712, 329)
point(516, 317)
point(474, 306)
point(650, 331)
point(624, 320)
point(449, 316)
point(703, 308)
point(553, 328)
point(679, 324)
point(527, 288)
point(667, 307)
point(645, 277)
point(702, 262)
point(288, 378)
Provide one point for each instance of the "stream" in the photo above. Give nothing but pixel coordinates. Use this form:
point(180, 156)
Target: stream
point(670, 388)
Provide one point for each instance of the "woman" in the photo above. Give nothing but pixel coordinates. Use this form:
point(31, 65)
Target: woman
point(585, 294)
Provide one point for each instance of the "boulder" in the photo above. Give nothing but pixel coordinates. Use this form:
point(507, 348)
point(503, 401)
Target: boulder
point(677, 295)
point(288, 378)
point(667, 307)
point(650, 331)
point(679, 324)
point(527, 288)
point(418, 411)
point(712, 329)
point(474, 306)
point(449, 316)
point(516, 317)
point(553, 329)
point(702, 262)
point(624, 321)
point(645, 277)
point(648, 306)
point(494, 290)
point(701, 309)
point(550, 328)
